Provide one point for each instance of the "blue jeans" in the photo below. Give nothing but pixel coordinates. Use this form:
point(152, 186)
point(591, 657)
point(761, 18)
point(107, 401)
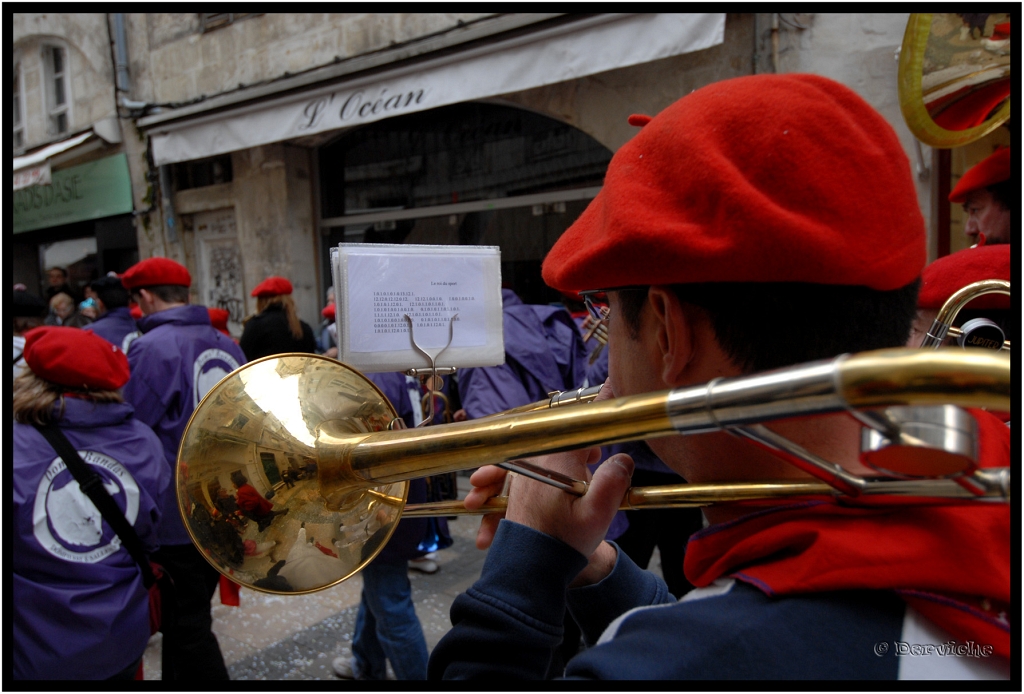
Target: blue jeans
point(387, 626)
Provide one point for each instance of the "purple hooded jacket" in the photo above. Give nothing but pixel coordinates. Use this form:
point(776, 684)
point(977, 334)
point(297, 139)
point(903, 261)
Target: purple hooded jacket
point(178, 358)
point(117, 327)
point(80, 610)
point(544, 352)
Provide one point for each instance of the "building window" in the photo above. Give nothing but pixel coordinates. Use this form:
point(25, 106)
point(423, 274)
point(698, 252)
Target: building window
point(57, 93)
point(19, 124)
point(202, 173)
point(466, 174)
point(208, 21)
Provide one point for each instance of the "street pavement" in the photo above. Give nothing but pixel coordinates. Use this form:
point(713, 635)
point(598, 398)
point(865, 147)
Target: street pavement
point(277, 637)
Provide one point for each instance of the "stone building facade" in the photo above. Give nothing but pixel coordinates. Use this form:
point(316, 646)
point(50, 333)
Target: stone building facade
point(255, 142)
point(72, 194)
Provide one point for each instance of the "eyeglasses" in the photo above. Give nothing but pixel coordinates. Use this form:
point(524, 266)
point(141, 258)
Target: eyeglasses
point(598, 309)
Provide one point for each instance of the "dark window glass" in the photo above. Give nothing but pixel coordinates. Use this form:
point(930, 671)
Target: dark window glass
point(462, 154)
point(208, 21)
point(17, 95)
point(204, 172)
point(456, 154)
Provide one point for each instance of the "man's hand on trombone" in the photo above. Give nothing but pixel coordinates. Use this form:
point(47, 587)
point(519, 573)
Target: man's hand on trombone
point(579, 521)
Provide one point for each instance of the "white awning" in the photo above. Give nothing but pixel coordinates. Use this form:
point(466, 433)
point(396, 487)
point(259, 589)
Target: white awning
point(34, 169)
point(566, 52)
point(50, 150)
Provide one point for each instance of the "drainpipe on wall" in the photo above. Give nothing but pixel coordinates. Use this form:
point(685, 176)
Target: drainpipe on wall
point(122, 79)
point(167, 204)
point(775, 42)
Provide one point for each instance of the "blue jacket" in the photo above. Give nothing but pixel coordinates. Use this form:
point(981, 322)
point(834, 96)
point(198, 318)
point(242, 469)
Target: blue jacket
point(116, 327)
point(178, 358)
point(509, 622)
point(80, 610)
point(544, 352)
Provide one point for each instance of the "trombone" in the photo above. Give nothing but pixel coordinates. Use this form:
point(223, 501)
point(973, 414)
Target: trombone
point(329, 425)
point(943, 328)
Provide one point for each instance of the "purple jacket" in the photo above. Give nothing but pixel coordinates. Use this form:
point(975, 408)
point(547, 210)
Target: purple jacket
point(178, 358)
point(80, 609)
point(116, 327)
point(544, 352)
point(404, 542)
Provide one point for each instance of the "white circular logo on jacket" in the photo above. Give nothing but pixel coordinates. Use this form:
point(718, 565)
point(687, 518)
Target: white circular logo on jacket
point(209, 369)
point(66, 522)
point(128, 340)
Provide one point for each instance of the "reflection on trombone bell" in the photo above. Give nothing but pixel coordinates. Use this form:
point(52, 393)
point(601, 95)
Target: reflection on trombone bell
point(312, 408)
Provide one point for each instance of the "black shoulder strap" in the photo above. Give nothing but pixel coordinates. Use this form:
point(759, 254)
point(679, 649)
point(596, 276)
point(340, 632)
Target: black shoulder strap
point(91, 485)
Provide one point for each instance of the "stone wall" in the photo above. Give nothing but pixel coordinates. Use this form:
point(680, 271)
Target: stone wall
point(174, 62)
point(860, 51)
point(600, 104)
point(90, 65)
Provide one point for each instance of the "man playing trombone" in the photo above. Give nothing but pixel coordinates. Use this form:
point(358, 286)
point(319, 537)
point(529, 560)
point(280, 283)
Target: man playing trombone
point(754, 224)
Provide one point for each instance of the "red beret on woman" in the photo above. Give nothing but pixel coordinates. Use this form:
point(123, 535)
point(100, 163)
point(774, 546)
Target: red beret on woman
point(949, 274)
point(156, 271)
point(273, 286)
point(75, 358)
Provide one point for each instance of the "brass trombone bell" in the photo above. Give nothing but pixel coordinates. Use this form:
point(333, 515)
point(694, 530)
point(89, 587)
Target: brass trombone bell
point(309, 435)
point(954, 70)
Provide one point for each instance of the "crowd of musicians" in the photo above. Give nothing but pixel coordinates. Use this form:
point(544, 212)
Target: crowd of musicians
point(754, 224)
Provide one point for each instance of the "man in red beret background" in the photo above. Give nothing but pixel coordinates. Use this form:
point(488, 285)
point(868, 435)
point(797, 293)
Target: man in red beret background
point(985, 193)
point(736, 233)
point(175, 361)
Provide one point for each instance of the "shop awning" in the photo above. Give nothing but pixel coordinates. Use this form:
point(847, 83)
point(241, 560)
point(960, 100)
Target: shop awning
point(34, 169)
point(548, 56)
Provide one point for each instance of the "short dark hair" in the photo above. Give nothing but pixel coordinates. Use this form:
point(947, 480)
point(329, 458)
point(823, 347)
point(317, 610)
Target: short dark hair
point(170, 293)
point(763, 326)
point(111, 292)
point(1001, 193)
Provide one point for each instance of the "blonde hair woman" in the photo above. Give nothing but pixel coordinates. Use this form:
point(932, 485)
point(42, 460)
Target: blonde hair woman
point(80, 609)
point(276, 328)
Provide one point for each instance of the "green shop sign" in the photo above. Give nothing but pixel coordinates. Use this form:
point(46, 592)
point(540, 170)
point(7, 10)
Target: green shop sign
point(100, 188)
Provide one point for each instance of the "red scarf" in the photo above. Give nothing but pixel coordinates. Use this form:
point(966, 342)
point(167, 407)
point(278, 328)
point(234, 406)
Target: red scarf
point(951, 562)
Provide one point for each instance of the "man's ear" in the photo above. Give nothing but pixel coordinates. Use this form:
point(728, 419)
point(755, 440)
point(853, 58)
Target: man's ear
point(674, 333)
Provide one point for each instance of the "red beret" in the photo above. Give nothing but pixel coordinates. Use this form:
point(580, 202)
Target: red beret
point(219, 319)
point(328, 312)
point(75, 358)
point(948, 274)
point(993, 169)
point(768, 178)
point(154, 271)
point(273, 286)
point(135, 311)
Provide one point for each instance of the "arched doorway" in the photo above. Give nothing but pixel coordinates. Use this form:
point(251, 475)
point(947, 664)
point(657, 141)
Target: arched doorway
point(474, 173)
